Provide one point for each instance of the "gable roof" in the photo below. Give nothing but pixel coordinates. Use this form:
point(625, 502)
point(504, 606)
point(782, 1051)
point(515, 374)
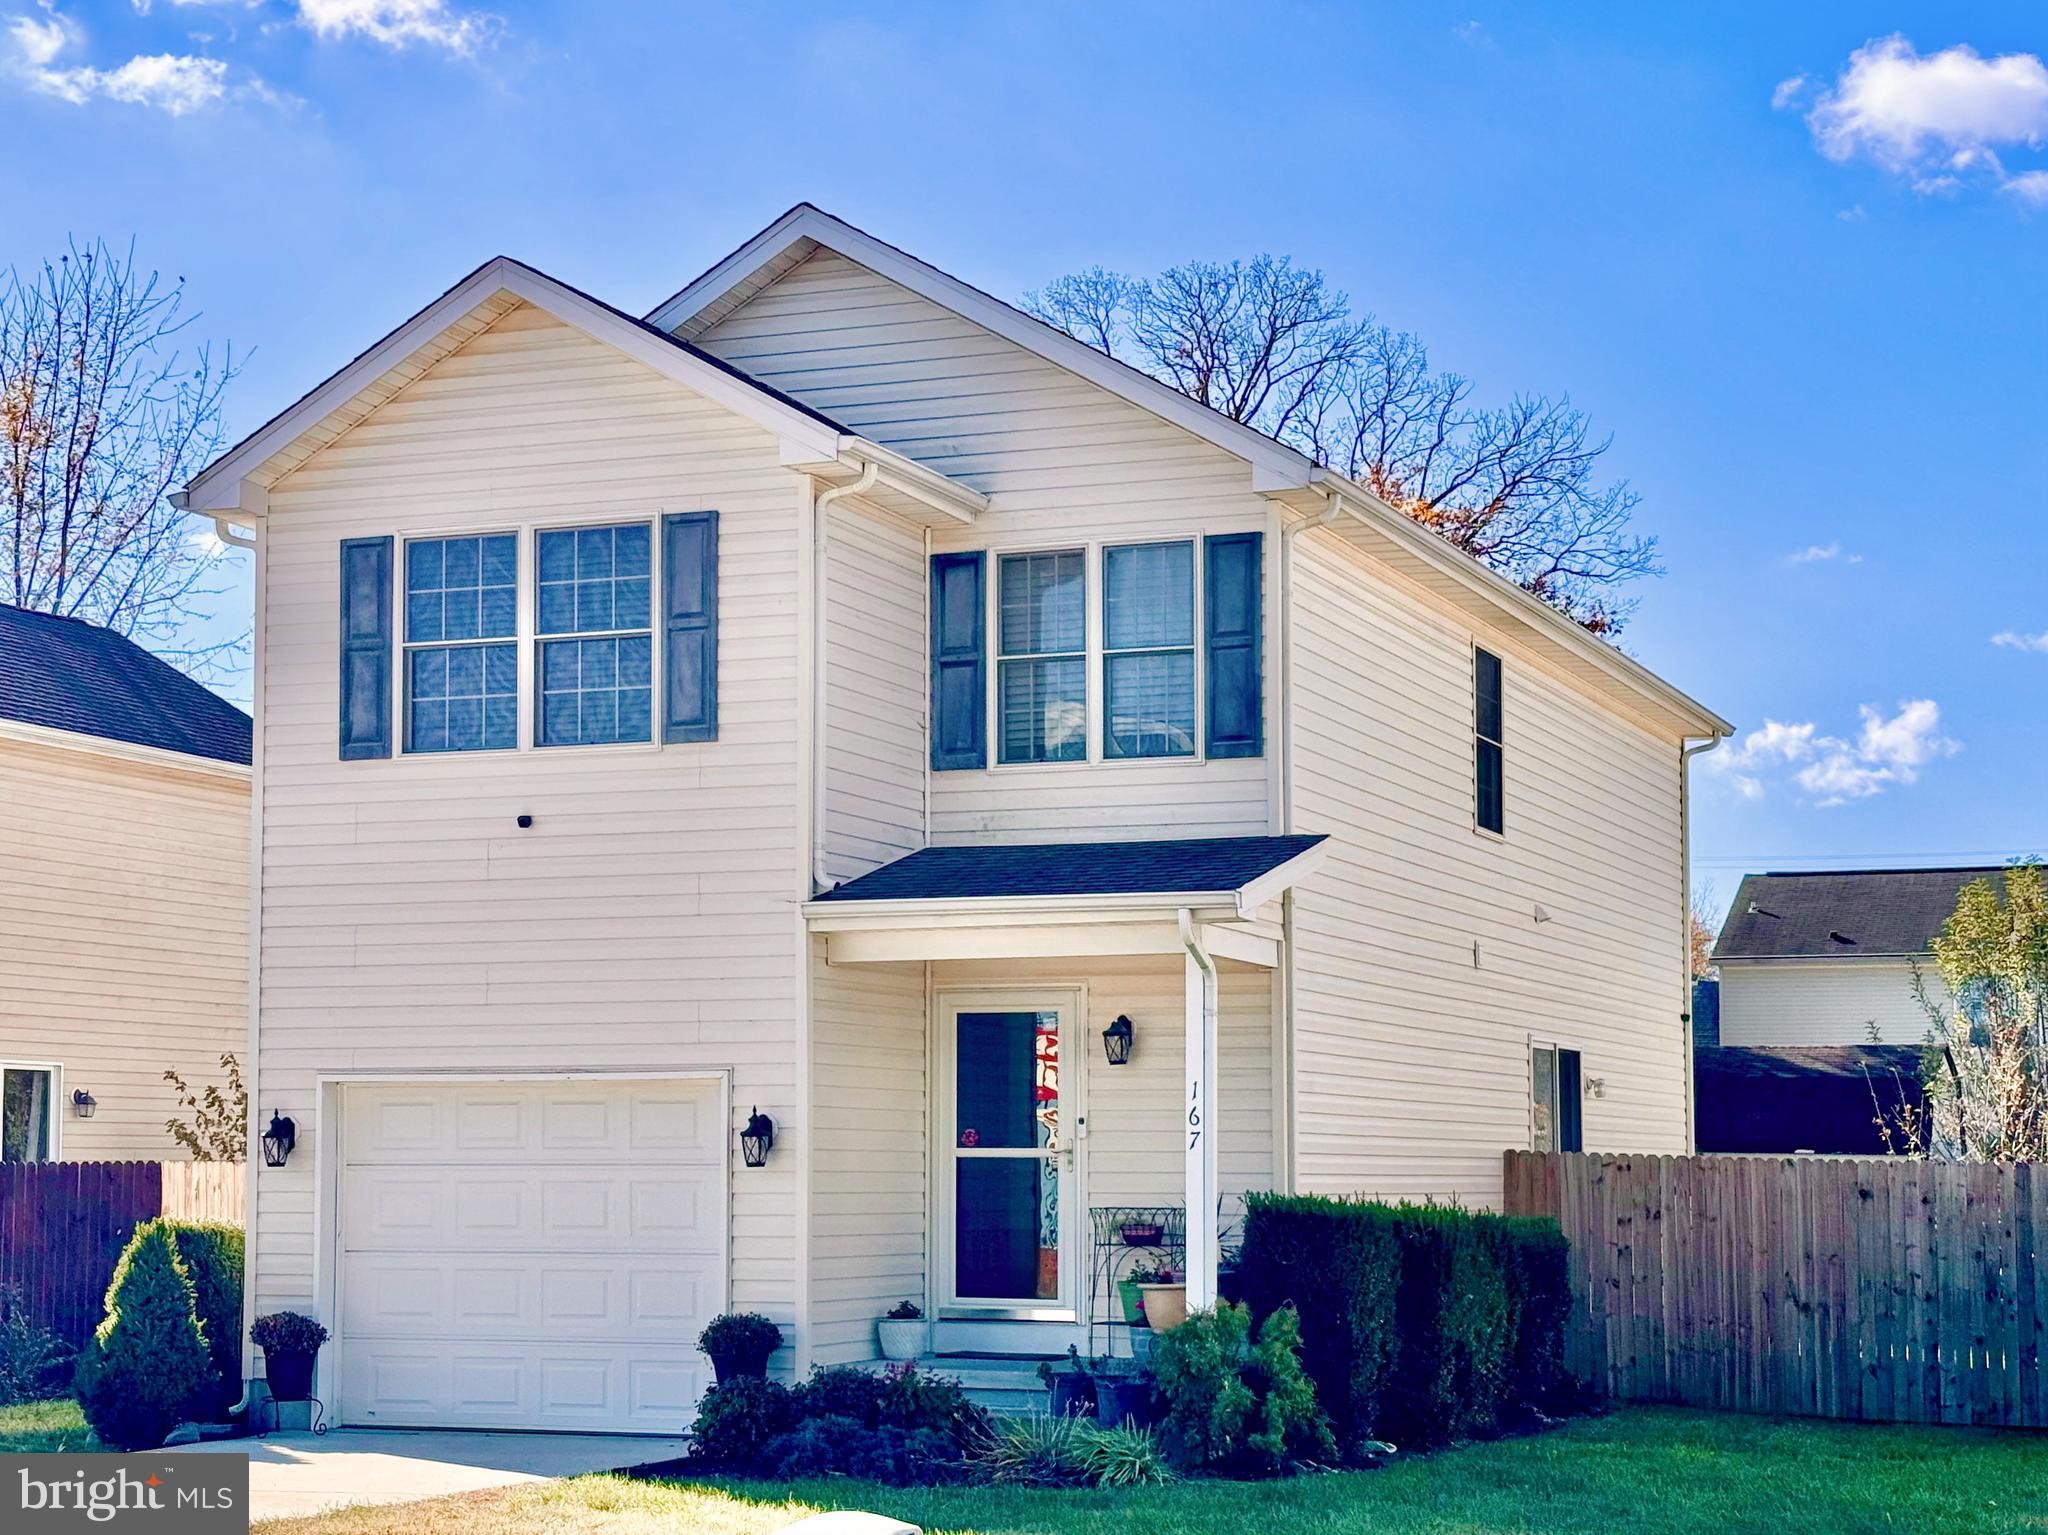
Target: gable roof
point(65, 674)
point(1276, 468)
point(1843, 913)
point(1204, 866)
point(237, 482)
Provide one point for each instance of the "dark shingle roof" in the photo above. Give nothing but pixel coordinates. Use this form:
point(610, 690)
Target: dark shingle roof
point(66, 674)
point(1195, 865)
point(1819, 1098)
point(1844, 913)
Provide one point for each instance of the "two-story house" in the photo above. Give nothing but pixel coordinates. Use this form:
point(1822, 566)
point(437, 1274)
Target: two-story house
point(838, 697)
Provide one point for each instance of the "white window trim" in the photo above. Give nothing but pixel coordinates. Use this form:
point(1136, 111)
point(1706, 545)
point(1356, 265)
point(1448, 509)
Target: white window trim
point(1196, 647)
point(1090, 648)
point(60, 1105)
point(1095, 678)
point(525, 636)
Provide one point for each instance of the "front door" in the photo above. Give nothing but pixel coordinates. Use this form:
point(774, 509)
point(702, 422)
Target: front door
point(1007, 1203)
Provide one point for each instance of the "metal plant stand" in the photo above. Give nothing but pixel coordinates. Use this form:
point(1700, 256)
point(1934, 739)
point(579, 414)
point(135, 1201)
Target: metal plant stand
point(317, 1408)
point(1160, 1233)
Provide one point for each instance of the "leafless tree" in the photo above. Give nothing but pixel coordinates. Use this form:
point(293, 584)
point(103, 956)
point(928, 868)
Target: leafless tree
point(1277, 347)
point(103, 413)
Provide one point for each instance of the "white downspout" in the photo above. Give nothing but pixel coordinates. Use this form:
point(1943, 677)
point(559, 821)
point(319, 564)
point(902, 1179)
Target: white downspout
point(821, 504)
point(252, 1075)
point(1685, 756)
point(1200, 1123)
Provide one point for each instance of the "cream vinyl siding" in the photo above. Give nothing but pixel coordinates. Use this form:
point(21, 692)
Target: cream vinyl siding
point(877, 683)
point(1412, 1062)
point(645, 920)
point(1827, 1002)
point(124, 938)
point(1066, 463)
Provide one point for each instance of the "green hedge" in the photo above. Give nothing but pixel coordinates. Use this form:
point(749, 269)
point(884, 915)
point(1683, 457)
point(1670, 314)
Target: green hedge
point(212, 1251)
point(1419, 1323)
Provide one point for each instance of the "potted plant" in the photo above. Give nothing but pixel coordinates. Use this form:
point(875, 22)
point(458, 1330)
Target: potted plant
point(904, 1333)
point(1123, 1391)
point(1139, 1232)
point(289, 1342)
point(1071, 1383)
point(739, 1343)
point(1165, 1298)
point(1130, 1290)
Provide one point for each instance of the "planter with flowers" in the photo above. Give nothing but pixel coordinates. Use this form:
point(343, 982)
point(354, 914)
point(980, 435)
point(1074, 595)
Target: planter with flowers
point(904, 1333)
point(290, 1343)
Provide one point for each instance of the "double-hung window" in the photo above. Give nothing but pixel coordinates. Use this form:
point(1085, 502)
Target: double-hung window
point(1488, 753)
point(596, 629)
point(1148, 650)
point(27, 1128)
point(1042, 666)
point(461, 652)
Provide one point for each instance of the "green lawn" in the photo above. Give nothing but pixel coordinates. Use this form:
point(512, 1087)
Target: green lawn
point(1641, 1472)
point(40, 1427)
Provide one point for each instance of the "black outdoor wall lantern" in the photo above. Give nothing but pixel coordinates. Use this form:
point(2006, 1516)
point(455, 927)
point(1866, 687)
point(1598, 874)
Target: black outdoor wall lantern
point(1116, 1041)
point(83, 1104)
point(278, 1140)
point(756, 1139)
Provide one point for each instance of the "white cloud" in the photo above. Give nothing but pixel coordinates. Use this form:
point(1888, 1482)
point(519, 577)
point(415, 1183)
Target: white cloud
point(1472, 33)
point(2030, 187)
point(2013, 639)
point(1788, 91)
point(1815, 554)
point(175, 83)
point(398, 23)
point(1939, 120)
point(1852, 215)
point(1886, 751)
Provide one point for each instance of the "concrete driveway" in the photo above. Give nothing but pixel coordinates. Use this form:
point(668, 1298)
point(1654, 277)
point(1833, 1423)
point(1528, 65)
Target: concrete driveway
point(298, 1473)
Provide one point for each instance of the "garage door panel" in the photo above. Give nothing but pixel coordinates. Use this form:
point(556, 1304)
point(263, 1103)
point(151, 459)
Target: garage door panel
point(529, 1255)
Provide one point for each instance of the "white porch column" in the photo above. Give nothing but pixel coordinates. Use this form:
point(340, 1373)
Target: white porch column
point(1200, 1126)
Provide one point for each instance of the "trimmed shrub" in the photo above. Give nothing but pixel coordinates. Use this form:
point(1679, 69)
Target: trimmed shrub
point(1454, 1330)
point(212, 1251)
point(842, 1391)
point(147, 1368)
point(1235, 1407)
point(737, 1419)
point(1337, 1263)
point(915, 1399)
point(1533, 1253)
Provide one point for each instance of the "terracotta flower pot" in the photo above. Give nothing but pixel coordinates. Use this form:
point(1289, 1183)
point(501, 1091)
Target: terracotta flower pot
point(1166, 1305)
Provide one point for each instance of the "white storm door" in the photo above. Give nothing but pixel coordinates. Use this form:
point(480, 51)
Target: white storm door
point(529, 1255)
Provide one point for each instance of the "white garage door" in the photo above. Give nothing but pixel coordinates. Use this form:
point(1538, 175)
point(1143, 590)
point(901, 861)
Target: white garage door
point(538, 1255)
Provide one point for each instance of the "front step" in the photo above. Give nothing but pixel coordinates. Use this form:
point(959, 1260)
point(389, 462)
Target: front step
point(1007, 1386)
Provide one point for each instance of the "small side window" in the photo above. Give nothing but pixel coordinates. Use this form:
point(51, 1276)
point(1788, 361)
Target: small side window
point(1555, 1100)
point(26, 1132)
point(1489, 751)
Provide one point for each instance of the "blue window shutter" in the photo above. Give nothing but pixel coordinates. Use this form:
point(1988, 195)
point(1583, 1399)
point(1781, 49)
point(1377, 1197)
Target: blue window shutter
point(690, 626)
point(959, 661)
point(1231, 577)
point(365, 648)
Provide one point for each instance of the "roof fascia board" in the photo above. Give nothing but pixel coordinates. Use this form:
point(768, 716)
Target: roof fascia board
point(1001, 910)
point(1275, 466)
point(126, 751)
point(953, 501)
point(220, 487)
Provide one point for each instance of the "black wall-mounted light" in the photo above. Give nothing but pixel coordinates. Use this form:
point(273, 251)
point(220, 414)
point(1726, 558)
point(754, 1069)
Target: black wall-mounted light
point(83, 1104)
point(1116, 1041)
point(757, 1139)
point(278, 1140)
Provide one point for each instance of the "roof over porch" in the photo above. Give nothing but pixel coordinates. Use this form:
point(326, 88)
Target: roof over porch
point(1013, 900)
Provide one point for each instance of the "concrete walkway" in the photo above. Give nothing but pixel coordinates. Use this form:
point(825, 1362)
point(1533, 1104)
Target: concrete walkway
point(296, 1473)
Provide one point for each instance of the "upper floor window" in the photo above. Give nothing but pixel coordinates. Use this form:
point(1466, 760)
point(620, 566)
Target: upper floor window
point(1489, 766)
point(461, 665)
point(27, 1127)
point(596, 584)
point(1042, 664)
point(1148, 650)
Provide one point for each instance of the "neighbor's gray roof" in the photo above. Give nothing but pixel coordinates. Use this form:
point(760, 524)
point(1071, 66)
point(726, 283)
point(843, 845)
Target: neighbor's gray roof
point(1843, 913)
point(1196, 866)
point(66, 674)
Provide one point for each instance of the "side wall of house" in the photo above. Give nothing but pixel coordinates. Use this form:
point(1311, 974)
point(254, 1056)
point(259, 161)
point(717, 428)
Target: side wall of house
point(1831, 1002)
point(124, 936)
point(645, 921)
point(1423, 970)
point(1067, 464)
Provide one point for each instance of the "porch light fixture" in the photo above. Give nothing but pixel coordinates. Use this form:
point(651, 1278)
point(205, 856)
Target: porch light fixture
point(757, 1139)
point(278, 1140)
point(83, 1104)
point(1116, 1041)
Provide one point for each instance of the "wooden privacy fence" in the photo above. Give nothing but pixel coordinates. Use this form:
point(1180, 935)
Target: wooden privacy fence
point(63, 1225)
point(1892, 1291)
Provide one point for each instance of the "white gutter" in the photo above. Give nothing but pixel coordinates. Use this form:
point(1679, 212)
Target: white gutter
point(821, 504)
point(1685, 756)
point(1199, 1162)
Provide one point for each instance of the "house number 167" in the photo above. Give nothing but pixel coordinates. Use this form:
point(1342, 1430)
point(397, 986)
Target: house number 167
point(1194, 1113)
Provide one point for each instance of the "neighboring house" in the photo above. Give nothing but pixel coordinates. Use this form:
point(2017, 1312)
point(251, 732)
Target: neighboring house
point(841, 696)
point(1827, 1100)
point(1829, 958)
point(124, 891)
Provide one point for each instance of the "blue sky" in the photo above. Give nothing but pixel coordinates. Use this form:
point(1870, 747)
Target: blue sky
point(1792, 257)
